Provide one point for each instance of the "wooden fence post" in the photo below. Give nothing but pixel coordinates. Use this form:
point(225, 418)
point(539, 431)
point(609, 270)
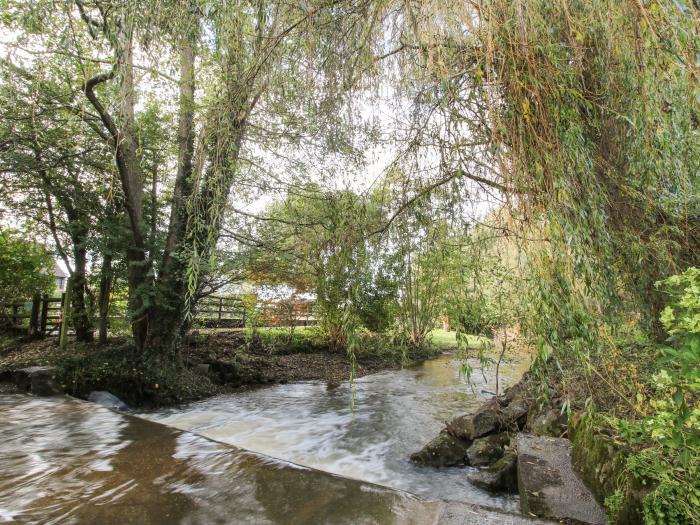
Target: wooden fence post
point(65, 313)
point(15, 315)
point(34, 319)
point(44, 315)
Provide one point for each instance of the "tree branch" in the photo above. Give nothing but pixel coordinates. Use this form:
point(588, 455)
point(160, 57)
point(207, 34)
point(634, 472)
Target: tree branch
point(89, 90)
point(430, 188)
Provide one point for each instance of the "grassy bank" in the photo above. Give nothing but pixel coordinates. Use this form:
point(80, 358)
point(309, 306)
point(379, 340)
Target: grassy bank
point(448, 340)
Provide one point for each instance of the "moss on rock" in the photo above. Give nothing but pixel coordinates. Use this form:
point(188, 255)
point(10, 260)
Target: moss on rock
point(600, 461)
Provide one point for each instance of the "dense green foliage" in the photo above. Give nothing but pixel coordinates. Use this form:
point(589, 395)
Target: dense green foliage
point(26, 268)
point(586, 115)
point(670, 433)
point(587, 155)
point(158, 154)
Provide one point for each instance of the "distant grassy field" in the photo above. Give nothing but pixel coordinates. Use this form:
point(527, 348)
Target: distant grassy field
point(446, 340)
point(438, 337)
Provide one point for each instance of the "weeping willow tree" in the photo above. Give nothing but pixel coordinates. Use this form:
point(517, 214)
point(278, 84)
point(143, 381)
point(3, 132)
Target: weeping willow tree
point(599, 114)
point(316, 242)
point(224, 74)
point(584, 116)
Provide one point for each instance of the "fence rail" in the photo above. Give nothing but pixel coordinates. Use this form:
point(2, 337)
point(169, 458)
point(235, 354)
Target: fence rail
point(232, 312)
point(216, 311)
point(47, 316)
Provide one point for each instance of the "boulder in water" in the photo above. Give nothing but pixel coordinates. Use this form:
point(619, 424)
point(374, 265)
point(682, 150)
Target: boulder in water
point(488, 449)
point(548, 485)
point(445, 450)
point(487, 419)
point(501, 476)
point(106, 399)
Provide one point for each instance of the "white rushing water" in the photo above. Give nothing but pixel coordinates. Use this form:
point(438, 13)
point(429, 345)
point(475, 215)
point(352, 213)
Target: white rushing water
point(67, 462)
point(364, 431)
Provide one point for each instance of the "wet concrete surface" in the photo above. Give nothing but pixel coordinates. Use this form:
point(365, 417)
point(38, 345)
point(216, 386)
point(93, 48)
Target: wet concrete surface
point(68, 461)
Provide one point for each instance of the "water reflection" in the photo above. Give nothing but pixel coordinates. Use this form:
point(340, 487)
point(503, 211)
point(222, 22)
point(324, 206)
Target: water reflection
point(317, 425)
point(64, 461)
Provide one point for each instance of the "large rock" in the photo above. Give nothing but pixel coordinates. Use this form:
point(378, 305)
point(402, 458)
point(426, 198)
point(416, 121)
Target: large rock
point(501, 476)
point(517, 404)
point(488, 449)
point(515, 413)
point(547, 483)
point(550, 423)
point(520, 390)
point(445, 450)
point(487, 419)
point(38, 380)
point(108, 400)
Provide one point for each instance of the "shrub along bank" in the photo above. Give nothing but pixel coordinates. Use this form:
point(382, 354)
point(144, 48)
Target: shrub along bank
point(635, 413)
point(629, 405)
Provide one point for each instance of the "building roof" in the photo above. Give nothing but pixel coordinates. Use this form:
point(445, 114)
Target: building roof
point(58, 271)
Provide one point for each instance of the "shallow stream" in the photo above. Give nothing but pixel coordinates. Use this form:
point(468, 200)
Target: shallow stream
point(67, 461)
point(364, 431)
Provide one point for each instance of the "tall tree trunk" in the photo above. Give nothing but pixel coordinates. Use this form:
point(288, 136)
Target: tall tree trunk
point(106, 276)
point(132, 182)
point(168, 315)
point(125, 144)
point(81, 318)
point(154, 209)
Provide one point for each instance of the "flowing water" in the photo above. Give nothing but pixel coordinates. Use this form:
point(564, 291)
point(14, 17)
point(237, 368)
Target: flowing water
point(364, 431)
point(69, 461)
point(64, 461)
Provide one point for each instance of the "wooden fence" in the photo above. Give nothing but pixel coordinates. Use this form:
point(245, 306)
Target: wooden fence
point(221, 312)
point(286, 313)
point(46, 316)
point(231, 312)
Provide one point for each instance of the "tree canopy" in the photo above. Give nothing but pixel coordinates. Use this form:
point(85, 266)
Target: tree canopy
point(26, 268)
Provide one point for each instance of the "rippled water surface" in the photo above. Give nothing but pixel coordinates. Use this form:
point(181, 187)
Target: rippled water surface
point(318, 425)
point(66, 461)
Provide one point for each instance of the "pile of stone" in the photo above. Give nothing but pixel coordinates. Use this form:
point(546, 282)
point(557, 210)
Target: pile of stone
point(535, 464)
point(483, 439)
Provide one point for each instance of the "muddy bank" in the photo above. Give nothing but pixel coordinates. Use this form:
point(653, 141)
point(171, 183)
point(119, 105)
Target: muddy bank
point(210, 364)
point(295, 359)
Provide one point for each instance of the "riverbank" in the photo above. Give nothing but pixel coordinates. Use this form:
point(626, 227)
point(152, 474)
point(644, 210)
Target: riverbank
point(627, 424)
point(211, 363)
